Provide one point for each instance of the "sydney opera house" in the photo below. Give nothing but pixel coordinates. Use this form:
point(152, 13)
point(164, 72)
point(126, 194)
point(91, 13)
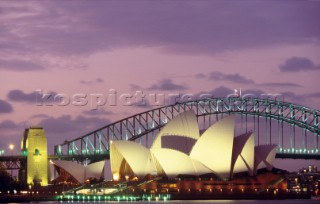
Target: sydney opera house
point(183, 161)
point(180, 150)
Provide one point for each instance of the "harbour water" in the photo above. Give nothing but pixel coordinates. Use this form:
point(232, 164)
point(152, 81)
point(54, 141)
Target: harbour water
point(201, 202)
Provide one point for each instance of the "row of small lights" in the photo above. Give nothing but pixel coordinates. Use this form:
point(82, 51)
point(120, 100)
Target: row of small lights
point(231, 189)
point(304, 151)
point(146, 197)
point(112, 198)
point(218, 189)
point(86, 151)
point(28, 192)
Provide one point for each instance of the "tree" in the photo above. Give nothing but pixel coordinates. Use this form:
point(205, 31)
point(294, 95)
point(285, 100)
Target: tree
point(5, 179)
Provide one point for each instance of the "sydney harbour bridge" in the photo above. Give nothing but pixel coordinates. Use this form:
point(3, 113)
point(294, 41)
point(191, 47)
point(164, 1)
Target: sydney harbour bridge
point(295, 129)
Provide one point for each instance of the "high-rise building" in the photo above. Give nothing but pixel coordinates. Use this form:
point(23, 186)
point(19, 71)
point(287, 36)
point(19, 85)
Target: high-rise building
point(34, 146)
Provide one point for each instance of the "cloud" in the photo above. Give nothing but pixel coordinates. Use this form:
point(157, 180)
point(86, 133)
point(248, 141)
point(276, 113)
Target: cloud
point(221, 91)
point(167, 85)
point(65, 124)
point(236, 78)
point(200, 76)
point(89, 82)
point(135, 87)
point(293, 97)
point(40, 116)
point(8, 124)
point(5, 107)
point(97, 112)
point(33, 97)
point(275, 84)
point(19, 65)
point(10, 129)
point(146, 103)
point(177, 26)
point(314, 95)
point(20, 96)
point(297, 64)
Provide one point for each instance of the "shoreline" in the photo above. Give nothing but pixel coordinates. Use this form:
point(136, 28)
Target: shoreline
point(149, 197)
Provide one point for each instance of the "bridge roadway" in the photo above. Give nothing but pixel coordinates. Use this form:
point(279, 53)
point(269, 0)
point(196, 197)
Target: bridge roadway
point(13, 162)
point(16, 162)
point(100, 157)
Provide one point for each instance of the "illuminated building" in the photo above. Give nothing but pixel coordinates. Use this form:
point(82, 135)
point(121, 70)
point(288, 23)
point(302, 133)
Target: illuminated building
point(34, 146)
point(178, 149)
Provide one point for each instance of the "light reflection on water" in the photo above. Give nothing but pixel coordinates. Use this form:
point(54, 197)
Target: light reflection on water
point(193, 202)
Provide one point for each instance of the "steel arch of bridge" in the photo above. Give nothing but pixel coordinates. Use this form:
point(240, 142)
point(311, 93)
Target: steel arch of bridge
point(95, 145)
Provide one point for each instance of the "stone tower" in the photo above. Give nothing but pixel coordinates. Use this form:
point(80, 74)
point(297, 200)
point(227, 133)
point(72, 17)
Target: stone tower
point(34, 146)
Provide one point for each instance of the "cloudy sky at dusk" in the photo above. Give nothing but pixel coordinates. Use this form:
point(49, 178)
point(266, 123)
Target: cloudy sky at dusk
point(170, 47)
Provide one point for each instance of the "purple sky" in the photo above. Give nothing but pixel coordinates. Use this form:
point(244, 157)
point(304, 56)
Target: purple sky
point(90, 47)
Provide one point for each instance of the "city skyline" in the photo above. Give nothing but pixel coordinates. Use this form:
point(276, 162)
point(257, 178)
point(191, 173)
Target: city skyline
point(265, 47)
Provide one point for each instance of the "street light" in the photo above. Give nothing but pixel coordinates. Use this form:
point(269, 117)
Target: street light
point(11, 147)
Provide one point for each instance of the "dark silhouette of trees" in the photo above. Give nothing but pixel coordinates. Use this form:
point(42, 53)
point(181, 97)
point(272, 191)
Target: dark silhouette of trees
point(7, 183)
point(5, 179)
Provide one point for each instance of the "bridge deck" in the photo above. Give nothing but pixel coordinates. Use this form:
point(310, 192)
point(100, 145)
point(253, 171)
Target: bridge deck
point(100, 157)
point(298, 156)
point(12, 158)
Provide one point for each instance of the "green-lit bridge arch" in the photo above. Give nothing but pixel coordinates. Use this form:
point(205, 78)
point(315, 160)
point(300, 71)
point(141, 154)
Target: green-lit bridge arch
point(273, 121)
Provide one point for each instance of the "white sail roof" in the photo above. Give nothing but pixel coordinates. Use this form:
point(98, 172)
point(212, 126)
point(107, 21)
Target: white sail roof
point(135, 155)
point(80, 172)
point(214, 148)
point(185, 124)
point(94, 170)
point(243, 154)
point(175, 163)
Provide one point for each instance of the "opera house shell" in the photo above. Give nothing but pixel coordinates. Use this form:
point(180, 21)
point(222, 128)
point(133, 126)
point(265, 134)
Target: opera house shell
point(179, 149)
point(76, 172)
